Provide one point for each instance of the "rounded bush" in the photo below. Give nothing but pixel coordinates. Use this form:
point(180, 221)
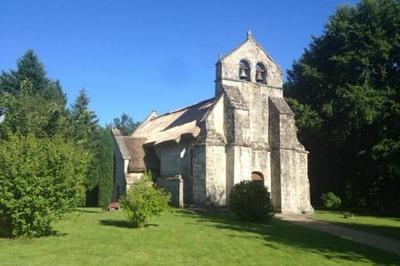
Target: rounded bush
point(331, 201)
point(250, 200)
point(142, 201)
point(40, 181)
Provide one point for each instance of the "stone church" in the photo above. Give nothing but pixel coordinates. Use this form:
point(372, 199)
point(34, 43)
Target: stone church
point(245, 132)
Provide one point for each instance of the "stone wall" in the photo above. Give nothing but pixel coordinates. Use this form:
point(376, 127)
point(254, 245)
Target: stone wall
point(276, 179)
point(295, 186)
point(171, 157)
point(175, 159)
point(173, 186)
point(214, 126)
point(210, 183)
point(199, 174)
point(289, 180)
point(120, 168)
point(246, 123)
point(260, 129)
point(230, 169)
point(209, 175)
point(261, 163)
point(215, 175)
point(251, 51)
point(247, 112)
point(131, 178)
point(241, 161)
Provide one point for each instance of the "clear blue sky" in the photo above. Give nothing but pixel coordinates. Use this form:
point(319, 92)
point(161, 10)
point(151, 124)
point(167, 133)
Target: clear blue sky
point(135, 56)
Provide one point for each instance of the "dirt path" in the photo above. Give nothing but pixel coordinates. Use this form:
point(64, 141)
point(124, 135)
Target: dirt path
point(381, 242)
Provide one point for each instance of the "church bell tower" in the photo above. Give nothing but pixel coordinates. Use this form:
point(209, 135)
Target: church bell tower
point(261, 136)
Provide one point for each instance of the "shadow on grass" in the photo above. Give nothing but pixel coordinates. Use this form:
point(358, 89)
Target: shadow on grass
point(383, 230)
point(121, 223)
point(54, 233)
point(51, 233)
point(89, 211)
point(116, 223)
point(279, 235)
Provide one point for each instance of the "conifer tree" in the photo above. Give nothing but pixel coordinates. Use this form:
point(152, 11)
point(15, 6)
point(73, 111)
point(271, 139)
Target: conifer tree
point(84, 121)
point(30, 68)
point(105, 169)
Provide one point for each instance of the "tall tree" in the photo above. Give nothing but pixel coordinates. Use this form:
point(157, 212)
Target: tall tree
point(41, 168)
point(31, 113)
point(125, 124)
point(30, 68)
point(86, 133)
point(105, 168)
point(348, 79)
point(84, 121)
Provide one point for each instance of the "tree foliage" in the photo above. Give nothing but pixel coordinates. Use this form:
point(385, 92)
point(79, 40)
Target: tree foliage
point(29, 112)
point(86, 132)
point(45, 150)
point(40, 180)
point(105, 169)
point(125, 124)
point(84, 122)
point(30, 68)
point(345, 91)
point(331, 201)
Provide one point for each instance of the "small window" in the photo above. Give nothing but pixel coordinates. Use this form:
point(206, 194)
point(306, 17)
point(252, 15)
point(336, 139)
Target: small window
point(244, 70)
point(261, 74)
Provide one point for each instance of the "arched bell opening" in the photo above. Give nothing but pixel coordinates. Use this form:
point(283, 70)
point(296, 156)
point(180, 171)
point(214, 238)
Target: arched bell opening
point(261, 73)
point(244, 70)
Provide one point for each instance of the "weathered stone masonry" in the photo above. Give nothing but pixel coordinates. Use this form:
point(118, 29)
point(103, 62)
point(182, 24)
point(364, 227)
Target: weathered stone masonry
point(246, 130)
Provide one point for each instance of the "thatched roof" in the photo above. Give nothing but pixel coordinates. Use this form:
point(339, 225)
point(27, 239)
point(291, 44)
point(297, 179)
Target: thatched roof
point(138, 148)
point(173, 125)
point(119, 140)
point(135, 147)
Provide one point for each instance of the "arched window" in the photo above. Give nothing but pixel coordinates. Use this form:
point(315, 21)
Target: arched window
point(244, 70)
point(261, 73)
point(257, 176)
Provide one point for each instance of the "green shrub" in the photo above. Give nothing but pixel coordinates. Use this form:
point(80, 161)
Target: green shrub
point(250, 200)
point(331, 201)
point(105, 169)
point(142, 201)
point(40, 180)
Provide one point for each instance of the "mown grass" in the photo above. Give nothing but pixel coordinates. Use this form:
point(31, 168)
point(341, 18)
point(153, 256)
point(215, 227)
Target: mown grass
point(92, 237)
point(379, 225)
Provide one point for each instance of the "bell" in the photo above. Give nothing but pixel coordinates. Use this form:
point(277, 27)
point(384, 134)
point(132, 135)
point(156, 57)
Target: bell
point(242, 73)
point(259, 76)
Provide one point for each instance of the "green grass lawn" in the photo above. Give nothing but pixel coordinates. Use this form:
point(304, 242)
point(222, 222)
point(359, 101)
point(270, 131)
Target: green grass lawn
point(92, 237)
point(380, 225)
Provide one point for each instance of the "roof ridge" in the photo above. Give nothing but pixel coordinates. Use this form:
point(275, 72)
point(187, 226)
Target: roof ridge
point(149, 117)
point(251, 39)
point(186, 107)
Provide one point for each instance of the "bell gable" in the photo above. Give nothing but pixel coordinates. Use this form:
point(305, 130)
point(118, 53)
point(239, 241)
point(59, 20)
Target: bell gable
point(249, 62)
